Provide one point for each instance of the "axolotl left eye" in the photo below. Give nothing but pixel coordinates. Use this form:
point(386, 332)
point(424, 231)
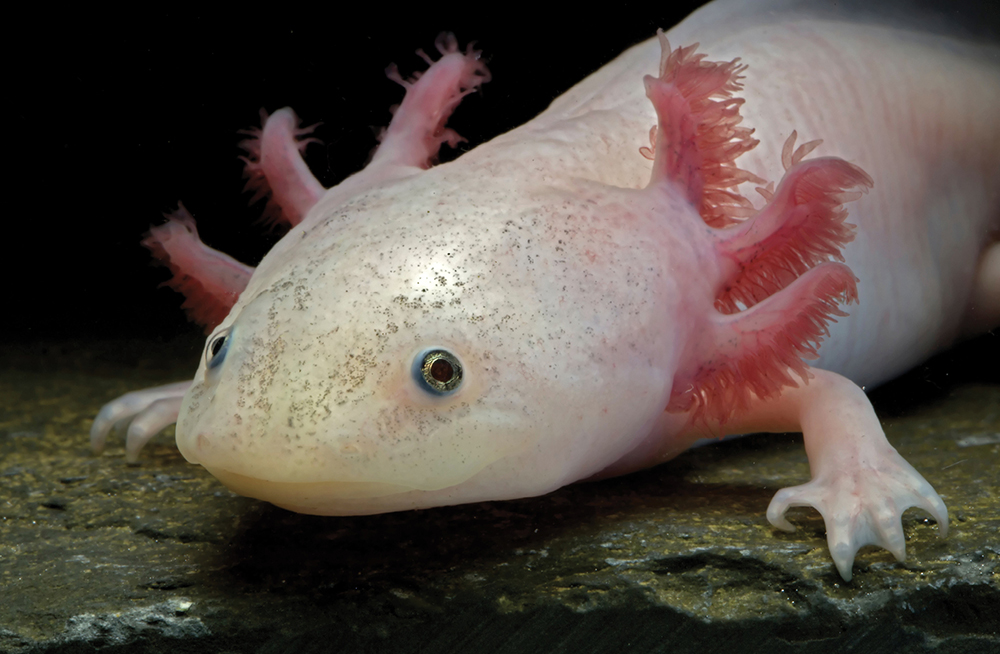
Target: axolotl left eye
point(215, 351)
point(437, 371)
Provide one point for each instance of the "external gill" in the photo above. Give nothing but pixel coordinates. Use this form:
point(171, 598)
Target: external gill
point(780, 288)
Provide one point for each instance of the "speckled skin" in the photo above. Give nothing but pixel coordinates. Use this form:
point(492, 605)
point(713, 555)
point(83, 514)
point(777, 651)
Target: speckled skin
point(569, 291)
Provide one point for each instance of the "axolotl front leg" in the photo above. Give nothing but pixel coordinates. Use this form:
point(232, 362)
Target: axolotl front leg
point(860, 484)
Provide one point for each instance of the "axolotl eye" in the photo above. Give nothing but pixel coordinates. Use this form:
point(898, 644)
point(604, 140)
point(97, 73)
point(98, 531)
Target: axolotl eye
point(215, 351)
point(437, 371)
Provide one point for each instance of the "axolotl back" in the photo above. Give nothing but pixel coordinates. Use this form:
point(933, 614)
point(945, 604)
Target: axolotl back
point(585, 296)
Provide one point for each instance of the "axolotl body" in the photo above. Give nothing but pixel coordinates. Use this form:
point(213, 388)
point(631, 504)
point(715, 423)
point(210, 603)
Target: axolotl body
point(585, 296)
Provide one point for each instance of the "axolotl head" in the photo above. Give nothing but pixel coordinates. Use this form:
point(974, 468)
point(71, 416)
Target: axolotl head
point(434, 342)
point(498, 327)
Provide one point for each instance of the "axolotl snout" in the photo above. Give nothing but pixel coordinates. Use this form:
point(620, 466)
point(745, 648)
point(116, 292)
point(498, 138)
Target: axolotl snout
point(584, 296)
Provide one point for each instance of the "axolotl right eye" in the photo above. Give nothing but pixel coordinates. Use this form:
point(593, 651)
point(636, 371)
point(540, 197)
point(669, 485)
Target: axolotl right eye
point(437, 371)
point(215, 351)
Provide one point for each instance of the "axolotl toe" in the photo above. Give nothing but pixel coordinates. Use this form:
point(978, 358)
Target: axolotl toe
point(650, 261)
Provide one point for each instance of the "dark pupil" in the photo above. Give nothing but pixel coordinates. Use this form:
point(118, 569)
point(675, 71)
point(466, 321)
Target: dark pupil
point(217, 345)
point(442, 371)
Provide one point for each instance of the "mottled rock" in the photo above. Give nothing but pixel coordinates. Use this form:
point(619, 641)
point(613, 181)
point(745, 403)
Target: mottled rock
point(160, 557)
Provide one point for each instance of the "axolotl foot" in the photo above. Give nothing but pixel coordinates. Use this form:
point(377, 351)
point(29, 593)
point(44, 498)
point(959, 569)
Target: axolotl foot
point(860, 484)
point(145, 413)
point(863, 506)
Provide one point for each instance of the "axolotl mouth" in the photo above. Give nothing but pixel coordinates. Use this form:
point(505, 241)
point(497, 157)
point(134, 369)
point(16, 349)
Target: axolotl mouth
point(318, 497)
point(334, 491)
point(347, 498)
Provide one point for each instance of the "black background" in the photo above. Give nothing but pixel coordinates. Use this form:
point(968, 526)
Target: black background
point(112, 118)
point(115, 118)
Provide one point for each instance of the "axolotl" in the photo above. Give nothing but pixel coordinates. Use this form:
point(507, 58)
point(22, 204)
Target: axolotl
point(648, 263)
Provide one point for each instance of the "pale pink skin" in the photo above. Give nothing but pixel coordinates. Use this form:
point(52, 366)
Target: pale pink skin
point(572, 302)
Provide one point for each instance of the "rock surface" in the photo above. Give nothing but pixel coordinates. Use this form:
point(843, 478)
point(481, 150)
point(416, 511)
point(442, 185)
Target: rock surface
point(160, 557)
